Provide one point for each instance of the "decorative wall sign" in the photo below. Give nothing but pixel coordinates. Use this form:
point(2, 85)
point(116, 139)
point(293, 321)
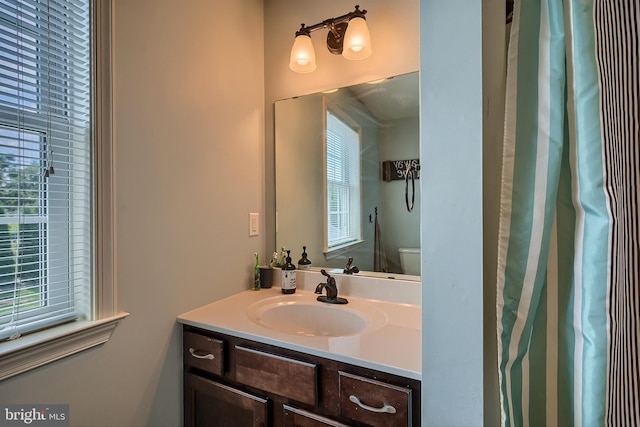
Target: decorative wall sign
point(397, 169)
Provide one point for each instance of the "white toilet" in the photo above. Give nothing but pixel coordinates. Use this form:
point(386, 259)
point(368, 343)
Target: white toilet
point(410, 260)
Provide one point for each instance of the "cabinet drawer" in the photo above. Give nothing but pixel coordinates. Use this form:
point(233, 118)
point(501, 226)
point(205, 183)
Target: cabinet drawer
point(373, 402)
point(283, 376)
point(294, 417)
point(203, 352)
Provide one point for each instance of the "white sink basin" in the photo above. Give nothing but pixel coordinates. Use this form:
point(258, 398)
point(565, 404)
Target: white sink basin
point(308, 317)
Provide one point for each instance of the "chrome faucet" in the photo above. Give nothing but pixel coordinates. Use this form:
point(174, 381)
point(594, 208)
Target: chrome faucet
point(350, 270)
point(332, 290)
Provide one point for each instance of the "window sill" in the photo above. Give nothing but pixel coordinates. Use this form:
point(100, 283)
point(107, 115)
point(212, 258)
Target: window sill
point(342, 250)
point(40, 348)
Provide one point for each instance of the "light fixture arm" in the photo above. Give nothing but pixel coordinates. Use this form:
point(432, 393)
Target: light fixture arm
point(327, 23)
point(336, 26)
point(334, 30)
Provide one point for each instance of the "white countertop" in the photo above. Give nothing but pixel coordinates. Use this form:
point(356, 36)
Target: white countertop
point(394, 347)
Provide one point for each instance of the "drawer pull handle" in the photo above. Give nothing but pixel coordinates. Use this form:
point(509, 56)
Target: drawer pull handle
point(386, 408)
point(206, 356)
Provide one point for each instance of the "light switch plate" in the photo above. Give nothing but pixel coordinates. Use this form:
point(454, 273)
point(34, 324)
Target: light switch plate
point(254, 224)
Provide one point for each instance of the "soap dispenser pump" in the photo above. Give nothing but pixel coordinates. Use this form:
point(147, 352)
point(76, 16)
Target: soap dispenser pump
point(288, 276)
point(304, 263)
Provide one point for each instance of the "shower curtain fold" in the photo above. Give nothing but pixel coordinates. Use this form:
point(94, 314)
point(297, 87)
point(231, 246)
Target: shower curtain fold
point(567, 292)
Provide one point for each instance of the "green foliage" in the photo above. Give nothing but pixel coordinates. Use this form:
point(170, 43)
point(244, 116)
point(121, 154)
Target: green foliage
point(20, 189)
point(27, 298)
point(7, 255)
point(19, 186)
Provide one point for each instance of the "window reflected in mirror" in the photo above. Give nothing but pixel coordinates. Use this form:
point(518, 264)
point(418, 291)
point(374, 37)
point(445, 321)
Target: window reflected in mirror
point(322, 204)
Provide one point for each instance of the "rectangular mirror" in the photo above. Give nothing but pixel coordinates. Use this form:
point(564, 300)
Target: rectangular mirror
point(330, 148)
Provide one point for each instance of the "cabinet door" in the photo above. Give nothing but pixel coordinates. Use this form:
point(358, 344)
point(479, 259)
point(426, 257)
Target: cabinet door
point(211, 404)
point(294, 417)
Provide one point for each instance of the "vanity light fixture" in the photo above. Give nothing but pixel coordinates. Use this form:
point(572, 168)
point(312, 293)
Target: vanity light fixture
point(348, 36)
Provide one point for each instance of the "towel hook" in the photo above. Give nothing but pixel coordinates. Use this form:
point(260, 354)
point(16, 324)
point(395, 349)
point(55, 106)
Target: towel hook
point(410, 169)
point(370, 218)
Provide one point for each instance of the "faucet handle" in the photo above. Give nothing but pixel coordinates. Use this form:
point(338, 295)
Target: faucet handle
point(331, 281)
point(350, 270)
point(349, 262)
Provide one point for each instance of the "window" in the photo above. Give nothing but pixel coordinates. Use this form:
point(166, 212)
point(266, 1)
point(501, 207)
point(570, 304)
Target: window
point(55, 157)
point(342, 184)
point(45, 205)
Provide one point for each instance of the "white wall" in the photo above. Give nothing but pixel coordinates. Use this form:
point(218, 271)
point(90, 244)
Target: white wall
point(398, 225)
point(462, 94)
point(189, 168)
point(300, 189)
point(451, 175)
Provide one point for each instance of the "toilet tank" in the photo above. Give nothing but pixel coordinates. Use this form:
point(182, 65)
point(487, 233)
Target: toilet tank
point(410, 260)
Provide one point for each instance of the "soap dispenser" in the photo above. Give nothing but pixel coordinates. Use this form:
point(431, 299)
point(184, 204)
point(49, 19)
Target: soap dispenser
point(288, 276)
point(304, 263)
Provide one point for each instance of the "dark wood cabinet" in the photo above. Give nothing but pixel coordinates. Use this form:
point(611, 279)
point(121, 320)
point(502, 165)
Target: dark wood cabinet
point(211, 404)
point(234, 382)
point(373, 402)
point(294, 417)
point(203, 352)
point(276, 374)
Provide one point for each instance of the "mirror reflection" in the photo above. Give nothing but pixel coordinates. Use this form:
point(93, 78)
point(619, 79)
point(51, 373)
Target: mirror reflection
point(342, 188)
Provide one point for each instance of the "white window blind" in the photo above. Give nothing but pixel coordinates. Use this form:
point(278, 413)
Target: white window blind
point(342, 183)
point(45, 164)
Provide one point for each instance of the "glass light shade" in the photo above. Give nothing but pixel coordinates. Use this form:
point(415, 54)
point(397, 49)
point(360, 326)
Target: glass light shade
point(303, 57)
point(357, 41)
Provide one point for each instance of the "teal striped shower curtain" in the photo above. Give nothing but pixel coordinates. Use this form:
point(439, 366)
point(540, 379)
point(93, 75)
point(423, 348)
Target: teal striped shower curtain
point(568, 297)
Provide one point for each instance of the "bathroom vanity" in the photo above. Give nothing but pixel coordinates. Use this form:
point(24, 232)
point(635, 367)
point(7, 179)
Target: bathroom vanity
point(261, 358)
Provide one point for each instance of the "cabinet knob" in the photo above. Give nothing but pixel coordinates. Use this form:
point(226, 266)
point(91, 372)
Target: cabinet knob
point(197, 356)
point(385, 409)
